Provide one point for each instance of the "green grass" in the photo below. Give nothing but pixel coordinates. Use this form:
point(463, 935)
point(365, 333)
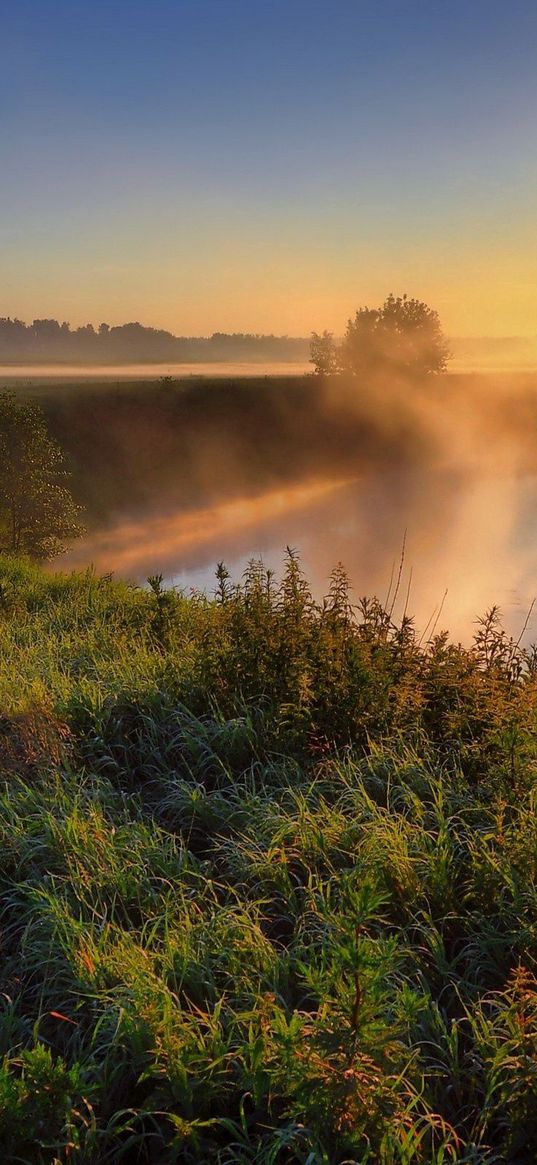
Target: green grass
point(268, 879)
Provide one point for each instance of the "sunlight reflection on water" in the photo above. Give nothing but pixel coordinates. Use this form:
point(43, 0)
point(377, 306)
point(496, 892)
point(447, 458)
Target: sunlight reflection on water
point(335, 521)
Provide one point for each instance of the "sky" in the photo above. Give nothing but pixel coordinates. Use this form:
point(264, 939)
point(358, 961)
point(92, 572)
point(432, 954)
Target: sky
point(268, 165)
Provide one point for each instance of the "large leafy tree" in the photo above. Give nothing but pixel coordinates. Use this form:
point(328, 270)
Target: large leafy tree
point(403, 336)
point(38, 514)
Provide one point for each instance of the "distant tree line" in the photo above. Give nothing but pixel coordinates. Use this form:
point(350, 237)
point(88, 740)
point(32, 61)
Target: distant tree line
point(49, 341)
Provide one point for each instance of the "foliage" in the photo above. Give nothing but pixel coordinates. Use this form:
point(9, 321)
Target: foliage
point(268, 885)
point(37, 510)
point(404, 337)
point(42, 1105)
point(49, 340)
point(323, 353)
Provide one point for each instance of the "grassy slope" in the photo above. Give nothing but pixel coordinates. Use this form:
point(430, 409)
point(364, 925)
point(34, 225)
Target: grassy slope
point(268, 880)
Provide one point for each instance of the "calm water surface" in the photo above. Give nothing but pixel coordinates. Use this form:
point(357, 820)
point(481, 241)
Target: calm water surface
point(475, 551)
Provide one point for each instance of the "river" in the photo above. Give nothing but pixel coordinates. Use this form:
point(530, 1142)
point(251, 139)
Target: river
point(449, 471)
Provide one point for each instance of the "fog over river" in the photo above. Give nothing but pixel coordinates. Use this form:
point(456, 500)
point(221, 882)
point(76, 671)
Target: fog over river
point(449, 469)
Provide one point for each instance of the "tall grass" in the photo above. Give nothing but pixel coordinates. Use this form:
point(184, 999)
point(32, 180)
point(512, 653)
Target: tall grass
point(268, 879)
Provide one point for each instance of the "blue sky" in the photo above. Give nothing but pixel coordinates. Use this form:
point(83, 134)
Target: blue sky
point(261, 165)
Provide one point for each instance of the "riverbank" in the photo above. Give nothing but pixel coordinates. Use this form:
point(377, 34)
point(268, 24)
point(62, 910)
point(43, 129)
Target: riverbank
point(268, 881)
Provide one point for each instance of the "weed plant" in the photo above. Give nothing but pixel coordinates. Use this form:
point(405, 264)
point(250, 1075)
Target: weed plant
point(268, 879)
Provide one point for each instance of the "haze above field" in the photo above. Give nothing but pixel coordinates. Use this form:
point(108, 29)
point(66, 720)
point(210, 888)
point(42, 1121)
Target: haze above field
point(175, 476)
point(206, 166)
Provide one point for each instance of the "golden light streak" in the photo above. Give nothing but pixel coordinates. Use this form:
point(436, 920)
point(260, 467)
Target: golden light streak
point(125, 546)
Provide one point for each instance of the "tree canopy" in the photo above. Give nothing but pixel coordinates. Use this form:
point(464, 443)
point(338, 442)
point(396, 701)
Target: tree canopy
point(38, 513)
point(48, 341)
point(403, 336)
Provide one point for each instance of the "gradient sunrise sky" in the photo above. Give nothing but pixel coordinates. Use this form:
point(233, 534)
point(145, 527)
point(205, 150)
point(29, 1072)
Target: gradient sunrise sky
point(269, 165)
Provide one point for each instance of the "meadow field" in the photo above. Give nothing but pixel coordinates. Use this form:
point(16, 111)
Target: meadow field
point(268, 888)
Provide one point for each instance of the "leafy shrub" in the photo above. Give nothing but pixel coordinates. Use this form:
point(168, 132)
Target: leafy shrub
point(43, 1107)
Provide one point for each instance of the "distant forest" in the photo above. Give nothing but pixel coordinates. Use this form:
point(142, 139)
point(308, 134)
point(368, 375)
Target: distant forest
point(51, 342)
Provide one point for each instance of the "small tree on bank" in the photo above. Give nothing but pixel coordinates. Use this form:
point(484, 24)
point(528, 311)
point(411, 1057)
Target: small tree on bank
point(38, 514)
point(404, 336)
point(323, 353)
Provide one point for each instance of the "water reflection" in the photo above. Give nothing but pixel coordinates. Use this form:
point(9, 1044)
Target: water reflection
point(457, 546)
point(184, 540)
point(339, 474)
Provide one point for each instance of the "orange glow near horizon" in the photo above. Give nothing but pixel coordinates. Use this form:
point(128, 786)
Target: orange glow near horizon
point(479, 295)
